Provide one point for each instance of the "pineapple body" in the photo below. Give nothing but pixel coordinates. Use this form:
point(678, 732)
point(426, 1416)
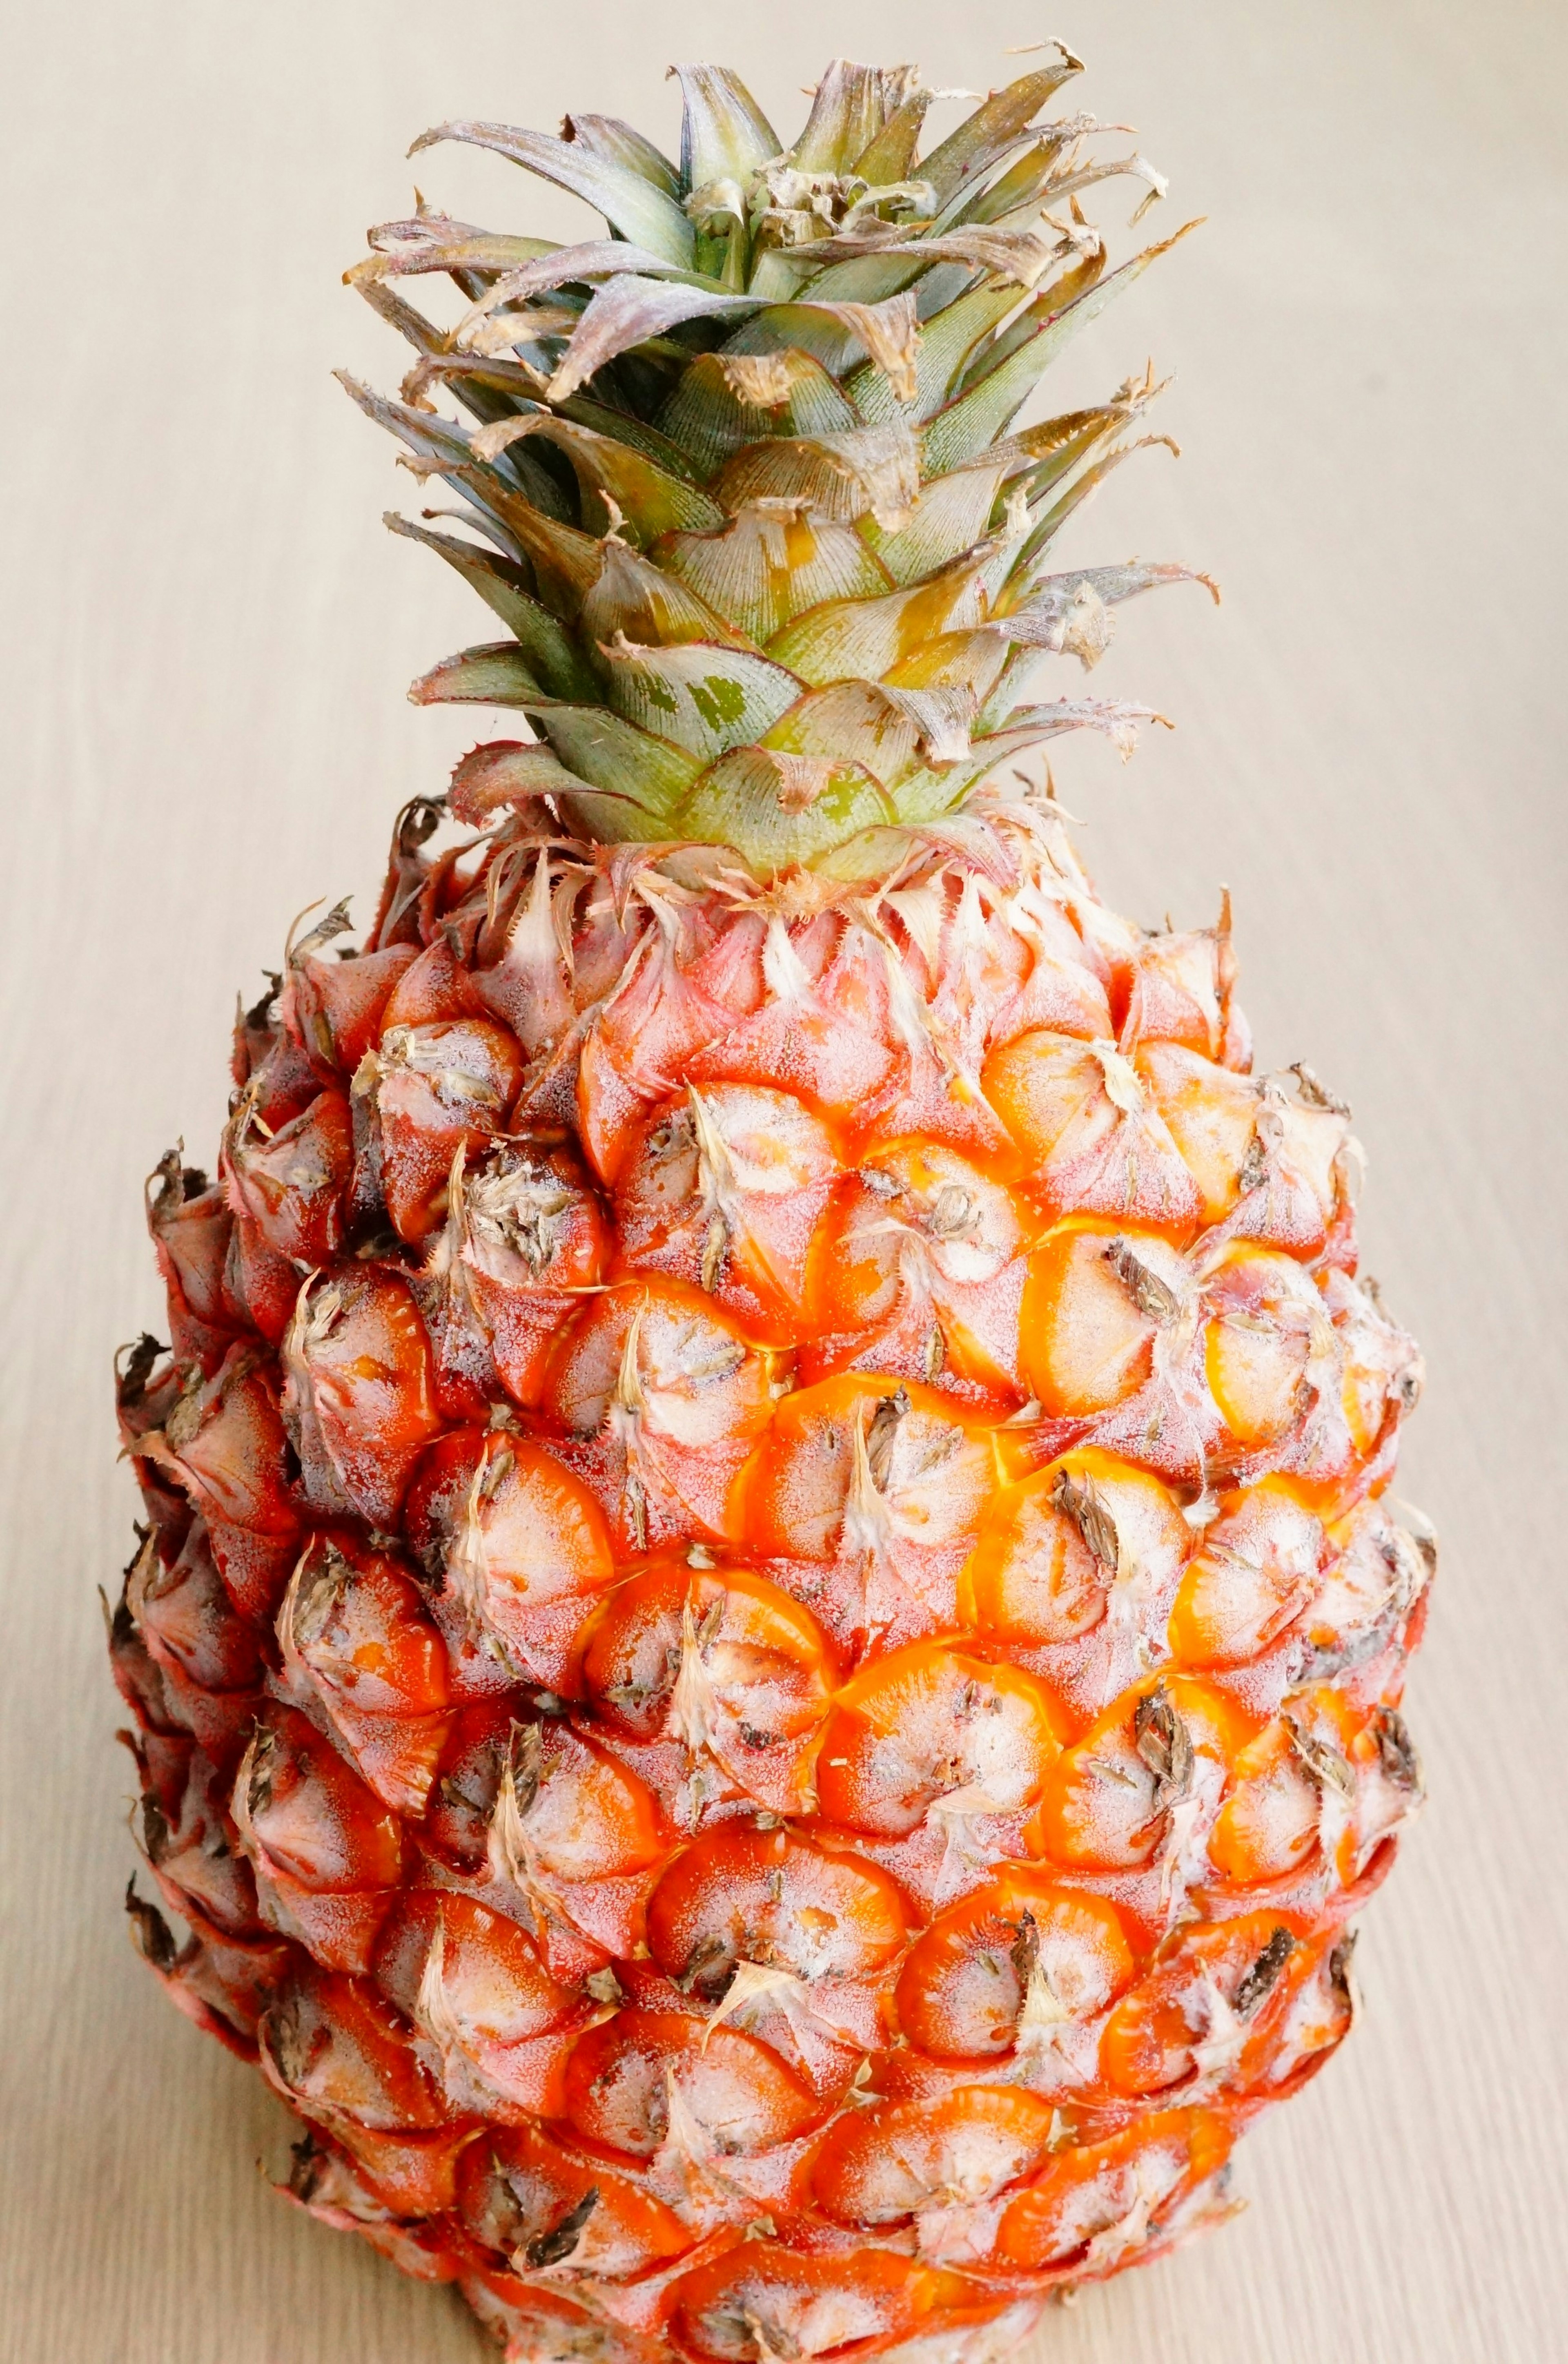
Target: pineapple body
point(767, 1648)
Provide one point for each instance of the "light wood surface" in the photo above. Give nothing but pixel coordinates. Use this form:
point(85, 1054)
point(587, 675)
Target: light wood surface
point(206, 637)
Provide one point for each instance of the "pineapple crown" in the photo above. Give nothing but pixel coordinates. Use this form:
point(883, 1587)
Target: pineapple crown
point(741, 479)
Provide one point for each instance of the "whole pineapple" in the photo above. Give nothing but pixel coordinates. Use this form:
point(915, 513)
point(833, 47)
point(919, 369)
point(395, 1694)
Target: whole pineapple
point(766, 1651)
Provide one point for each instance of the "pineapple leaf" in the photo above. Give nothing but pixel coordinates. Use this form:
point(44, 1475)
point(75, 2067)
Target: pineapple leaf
point(652, 608)
point(613, 754)
point(432, 242)
point(723, 403)
point(984, 412)
point(769, 566)
point(863, 639)
point(620, 485)
point(778, 810)
point(634, 205)
point(704, 698)
point(615, 142)
point(627, 311)
point(866, 472)
point(506, 772)
point(724, 136)
point(890, 158)
point(849, 112)
point(952, 515)
point(495, 674)
point(987, 133)
point(548, 649)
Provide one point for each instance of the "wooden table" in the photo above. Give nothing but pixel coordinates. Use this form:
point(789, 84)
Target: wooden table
point(207, 636)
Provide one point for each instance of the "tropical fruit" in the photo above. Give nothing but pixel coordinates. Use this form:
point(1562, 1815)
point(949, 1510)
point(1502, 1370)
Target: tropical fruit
point(766, 1648)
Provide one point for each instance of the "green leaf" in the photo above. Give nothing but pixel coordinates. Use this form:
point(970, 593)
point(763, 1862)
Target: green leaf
point(851, 110)
point(504, 772)
point(946, 342)
point(431, 242)
point(965, 154)
point(882, 730)
point(565, 562)
point(612, 754)
point(495, 675)
point(890, 158)
point(865, 639)
point(850, 723)
point(724, 136)
point(709, 414)
point(777, 811)
point(650, 608)
point(952, 514)
point(650, 501)
point(704, 698)
point(615, 142)
point(1046, 530)
point(979, 416)
point(629, 203)
point(627, 312)
point(866, 278)
point(969, 659)
point(548, 650)
point(623, 429)
point(868, 470)
point(769, 566)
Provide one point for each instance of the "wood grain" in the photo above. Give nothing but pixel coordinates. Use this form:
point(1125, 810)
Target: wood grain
point(206, 637)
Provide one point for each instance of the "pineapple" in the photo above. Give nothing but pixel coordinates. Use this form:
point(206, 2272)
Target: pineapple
point(766, 1648)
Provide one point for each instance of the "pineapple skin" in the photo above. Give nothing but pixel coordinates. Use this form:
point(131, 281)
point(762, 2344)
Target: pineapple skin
point(766, 1653)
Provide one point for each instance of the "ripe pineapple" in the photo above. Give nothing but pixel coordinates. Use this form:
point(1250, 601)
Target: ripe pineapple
point(766, 1651)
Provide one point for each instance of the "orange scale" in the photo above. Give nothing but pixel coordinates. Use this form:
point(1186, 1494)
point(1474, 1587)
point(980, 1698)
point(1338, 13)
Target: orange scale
point(524, 1238)
point(721, 1662)
point(1266, 1326)
point(617, 2082)
point(742, 1894)
point(1205, 2015)
point(1101, 2201)
point(1211, 1115)
point(837, 1475)
point(929, 2156)
point(490, 2021)
point(334, 1008)
point(432, 990)
point(1105, 1806)
point(723, 1188)
point(855, 2300)
point(435, 1089)
point(672, 1397)
point(523, 2193)
point(1092, 1139)
point(655, 1022)
point(338, 2054)
point(829, 1053)
point(226, 1448)
point(361, 1653)
point(1087, 1343)
point(523, 1548)
point(1257, 1569)
point(325, 1852)
point(290, 1182)
point(358, 1392)
point(1056, 1546)
point(964, 1984)
point(1181, 992)
point(1268, 1825)
point(927, 1722)
point(924, 1238)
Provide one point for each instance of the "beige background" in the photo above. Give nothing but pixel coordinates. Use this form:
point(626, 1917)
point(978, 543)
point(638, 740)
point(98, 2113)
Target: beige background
point(206, 637)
